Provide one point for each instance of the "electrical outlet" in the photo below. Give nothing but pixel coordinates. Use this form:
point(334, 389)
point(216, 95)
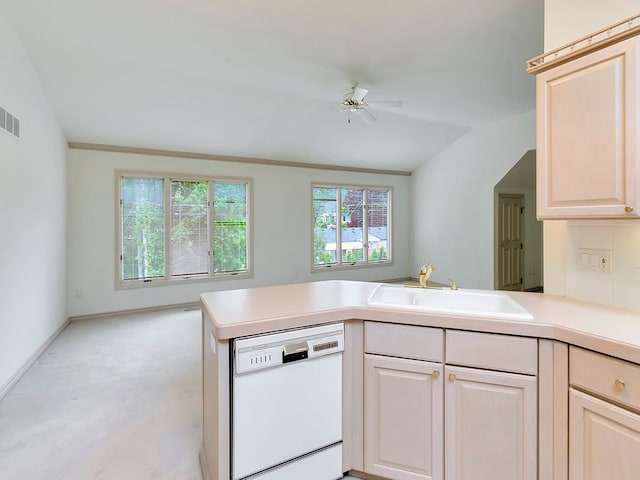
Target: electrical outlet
point(597, 260)
point(604, 262)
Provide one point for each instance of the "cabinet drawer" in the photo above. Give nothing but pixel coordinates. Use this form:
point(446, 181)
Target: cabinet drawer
point(606, 376)
point(492, 352)
point(407, 341)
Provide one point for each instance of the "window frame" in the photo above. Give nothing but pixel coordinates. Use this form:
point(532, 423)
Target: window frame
point(168, 278)
point(366, 262)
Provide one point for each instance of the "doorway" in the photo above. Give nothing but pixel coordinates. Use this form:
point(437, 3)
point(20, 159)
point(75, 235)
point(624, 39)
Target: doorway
point(519, 182)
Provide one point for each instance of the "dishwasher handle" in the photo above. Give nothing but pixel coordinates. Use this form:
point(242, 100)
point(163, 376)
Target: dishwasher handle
point(295, 351)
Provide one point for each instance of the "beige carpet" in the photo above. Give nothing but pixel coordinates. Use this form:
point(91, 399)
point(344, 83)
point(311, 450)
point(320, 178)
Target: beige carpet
point(114, 398)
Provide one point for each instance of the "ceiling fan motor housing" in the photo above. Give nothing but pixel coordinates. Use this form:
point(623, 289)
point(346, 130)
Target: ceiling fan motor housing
point(355, 103)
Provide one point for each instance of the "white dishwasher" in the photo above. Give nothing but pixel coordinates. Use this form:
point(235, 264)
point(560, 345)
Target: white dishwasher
point(287, 405)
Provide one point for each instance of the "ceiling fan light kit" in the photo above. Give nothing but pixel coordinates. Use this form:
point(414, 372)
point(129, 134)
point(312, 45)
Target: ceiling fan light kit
point(354, 102)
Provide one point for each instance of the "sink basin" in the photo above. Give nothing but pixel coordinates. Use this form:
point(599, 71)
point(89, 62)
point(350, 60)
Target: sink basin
point(477, 303)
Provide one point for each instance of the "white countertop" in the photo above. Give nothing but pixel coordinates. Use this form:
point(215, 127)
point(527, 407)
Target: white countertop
point(237, 313)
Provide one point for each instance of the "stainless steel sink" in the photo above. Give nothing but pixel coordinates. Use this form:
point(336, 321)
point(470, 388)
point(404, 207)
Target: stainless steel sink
point(477, 303)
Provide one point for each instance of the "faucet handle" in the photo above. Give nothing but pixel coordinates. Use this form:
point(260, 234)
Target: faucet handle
point(453, 284)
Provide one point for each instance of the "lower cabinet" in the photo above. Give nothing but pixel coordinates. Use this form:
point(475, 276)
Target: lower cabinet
point(604, 440)
point(435, 418)
point(403, 418)
point(490, 424)
point(604, 433)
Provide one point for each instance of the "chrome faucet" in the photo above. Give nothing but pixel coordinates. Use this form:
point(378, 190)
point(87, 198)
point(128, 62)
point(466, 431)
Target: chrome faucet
point(425, 273)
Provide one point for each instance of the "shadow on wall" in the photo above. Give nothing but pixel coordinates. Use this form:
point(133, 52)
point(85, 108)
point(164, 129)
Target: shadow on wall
point(517, 233)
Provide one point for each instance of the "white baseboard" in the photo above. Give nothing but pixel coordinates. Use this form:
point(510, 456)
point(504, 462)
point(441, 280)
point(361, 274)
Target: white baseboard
point(203, 464)
point(8, 385)
point(175, 306)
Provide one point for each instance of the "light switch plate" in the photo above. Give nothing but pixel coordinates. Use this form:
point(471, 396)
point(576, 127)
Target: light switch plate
point(595, 259)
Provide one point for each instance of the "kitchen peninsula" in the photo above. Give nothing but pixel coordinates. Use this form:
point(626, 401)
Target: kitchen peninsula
point(527, 359)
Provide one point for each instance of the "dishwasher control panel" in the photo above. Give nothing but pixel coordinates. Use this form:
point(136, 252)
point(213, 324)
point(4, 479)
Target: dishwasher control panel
point(256, 353)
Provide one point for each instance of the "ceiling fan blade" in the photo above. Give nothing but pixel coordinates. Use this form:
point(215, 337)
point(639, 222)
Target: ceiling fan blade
point(365, 116)
point(386, 103)
point(359, 94)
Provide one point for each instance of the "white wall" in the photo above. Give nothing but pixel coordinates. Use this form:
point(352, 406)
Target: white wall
point(521, 179)
point(33, 211)
point(453, 200)
point(533, 257)
point(282, 228)
point(566, 20)
point(619, 288)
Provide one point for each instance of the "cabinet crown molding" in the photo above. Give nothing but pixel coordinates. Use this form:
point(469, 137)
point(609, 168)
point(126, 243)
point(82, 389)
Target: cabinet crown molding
point(617, 32)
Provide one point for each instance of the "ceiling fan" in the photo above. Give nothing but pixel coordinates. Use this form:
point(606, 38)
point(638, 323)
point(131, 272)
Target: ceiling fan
point(354, 102)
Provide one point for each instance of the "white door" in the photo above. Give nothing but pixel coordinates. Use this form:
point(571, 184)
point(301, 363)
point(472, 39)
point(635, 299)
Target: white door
point(490, 420)
point(604, 440)
point(511, 242)
point(403, 418)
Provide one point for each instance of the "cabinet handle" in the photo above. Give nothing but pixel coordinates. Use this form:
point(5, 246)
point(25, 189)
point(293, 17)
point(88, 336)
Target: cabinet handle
point(436, 373)
point(628, 209)
point(452, 376)
point(620, 384)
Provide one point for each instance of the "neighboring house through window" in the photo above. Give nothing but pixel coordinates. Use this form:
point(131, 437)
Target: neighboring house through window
point(351, 225)
point(182, 228)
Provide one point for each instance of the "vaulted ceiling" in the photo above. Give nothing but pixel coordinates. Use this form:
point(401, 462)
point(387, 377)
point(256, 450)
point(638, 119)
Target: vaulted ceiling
point(263, 79)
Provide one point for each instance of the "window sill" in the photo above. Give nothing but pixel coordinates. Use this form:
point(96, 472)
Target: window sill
point(350, 266)
point(163, 282)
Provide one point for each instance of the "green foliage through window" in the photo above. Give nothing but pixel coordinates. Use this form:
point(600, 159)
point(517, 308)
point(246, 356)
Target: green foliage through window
point(189, 228)
point(230, 227)
point(351, 225)
point(206, 221)
point(142, 228)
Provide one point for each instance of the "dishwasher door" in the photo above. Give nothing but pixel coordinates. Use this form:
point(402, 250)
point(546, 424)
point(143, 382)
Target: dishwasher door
point(285, 412)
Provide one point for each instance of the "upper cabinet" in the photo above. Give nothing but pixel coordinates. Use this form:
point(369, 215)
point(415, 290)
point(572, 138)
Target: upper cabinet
point(588, 138)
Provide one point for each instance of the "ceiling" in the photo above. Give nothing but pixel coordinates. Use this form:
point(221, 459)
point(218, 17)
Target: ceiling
point(261, 79)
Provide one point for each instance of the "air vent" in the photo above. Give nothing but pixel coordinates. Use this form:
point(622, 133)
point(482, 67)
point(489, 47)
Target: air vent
point(9, 123)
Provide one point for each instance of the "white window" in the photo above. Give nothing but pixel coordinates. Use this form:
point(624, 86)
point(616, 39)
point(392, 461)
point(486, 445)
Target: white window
point(177, 228)
point(351, 225)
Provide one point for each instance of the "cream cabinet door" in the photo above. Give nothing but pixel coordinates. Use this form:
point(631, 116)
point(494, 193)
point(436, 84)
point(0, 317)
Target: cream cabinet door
point(604, 440)
point(403, 418)
point(587, 135)
point(490, 424)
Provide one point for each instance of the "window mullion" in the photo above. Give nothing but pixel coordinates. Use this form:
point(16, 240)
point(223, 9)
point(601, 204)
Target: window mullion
point(121, 231)
point(389, 224)
point(339, 226)
point(211, 231)
point(365, 225)
point(167, 229)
